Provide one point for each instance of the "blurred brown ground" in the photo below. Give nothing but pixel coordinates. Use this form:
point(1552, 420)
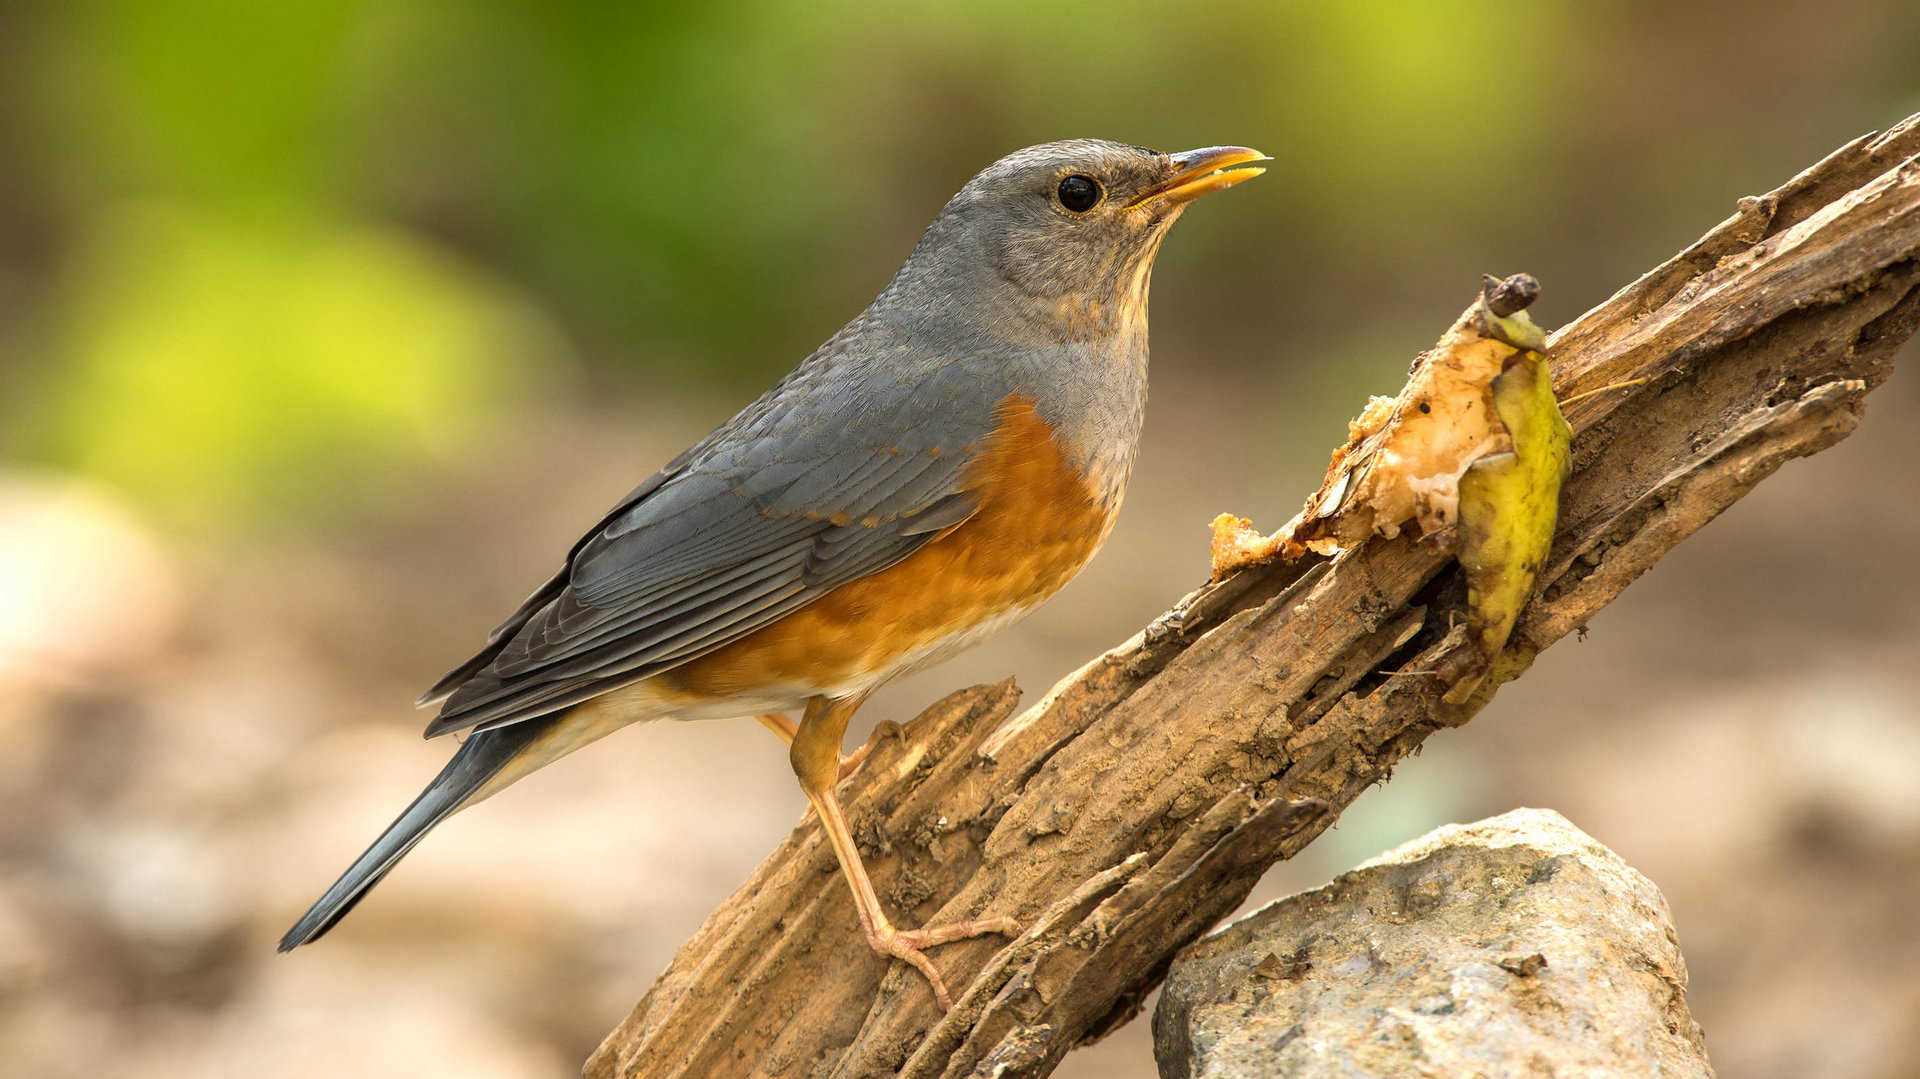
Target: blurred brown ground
point(325, 329)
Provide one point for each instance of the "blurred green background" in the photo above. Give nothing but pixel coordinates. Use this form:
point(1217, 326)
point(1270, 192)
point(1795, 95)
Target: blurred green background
point(324, 327)
point(240, 239)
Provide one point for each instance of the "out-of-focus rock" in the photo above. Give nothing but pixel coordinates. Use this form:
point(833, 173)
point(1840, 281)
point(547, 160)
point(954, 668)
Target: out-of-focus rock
point(85, 589)
point(1513, 946)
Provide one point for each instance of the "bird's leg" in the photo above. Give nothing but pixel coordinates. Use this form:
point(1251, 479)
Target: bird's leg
point(815, 752)
point(886, 728)
point(779, 725)
point(850, 763)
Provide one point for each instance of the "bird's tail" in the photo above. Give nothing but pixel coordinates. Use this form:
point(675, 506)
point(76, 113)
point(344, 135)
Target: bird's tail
point(482, 758)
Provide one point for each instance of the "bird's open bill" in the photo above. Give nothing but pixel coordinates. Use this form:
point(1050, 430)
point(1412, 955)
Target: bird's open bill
point(1202, 172)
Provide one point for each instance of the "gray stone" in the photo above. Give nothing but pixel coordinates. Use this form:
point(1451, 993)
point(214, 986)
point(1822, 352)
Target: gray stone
point(1515, 946)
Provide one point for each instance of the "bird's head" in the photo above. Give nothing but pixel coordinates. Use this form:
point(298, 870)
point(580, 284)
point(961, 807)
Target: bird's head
point(1062, 236)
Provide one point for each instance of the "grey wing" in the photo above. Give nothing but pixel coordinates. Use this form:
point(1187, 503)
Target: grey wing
point(549, 591)
point(743, 535)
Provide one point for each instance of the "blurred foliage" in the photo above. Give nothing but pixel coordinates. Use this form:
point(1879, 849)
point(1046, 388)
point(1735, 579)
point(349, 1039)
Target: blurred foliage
point(226, 370)
point(246, 246)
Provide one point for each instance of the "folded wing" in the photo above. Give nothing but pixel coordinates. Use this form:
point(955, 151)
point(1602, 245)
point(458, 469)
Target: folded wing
point(741, 532)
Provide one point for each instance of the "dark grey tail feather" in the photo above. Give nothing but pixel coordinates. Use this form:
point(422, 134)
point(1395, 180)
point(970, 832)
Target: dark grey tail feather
point(479, 760)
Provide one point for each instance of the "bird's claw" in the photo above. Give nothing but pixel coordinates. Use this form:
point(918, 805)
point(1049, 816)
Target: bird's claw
point(908, 944)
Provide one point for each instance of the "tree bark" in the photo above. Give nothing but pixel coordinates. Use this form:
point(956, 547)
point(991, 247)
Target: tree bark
point(1136, 804)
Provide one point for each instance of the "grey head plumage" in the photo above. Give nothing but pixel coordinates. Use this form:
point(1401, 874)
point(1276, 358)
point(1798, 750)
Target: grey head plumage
point(1055, 242)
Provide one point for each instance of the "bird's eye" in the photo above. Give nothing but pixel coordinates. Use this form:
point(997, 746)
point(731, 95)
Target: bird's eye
point(1079, 193)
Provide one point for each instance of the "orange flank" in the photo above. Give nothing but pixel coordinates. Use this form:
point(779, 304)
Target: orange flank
point(1038, 522)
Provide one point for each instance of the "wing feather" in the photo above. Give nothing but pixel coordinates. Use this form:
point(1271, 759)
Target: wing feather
point(735, 539)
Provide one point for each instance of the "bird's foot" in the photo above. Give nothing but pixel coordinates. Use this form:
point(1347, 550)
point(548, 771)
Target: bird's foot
point(907, 944)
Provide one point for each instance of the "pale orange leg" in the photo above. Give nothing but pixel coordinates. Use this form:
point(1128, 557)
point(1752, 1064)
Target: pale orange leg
point(850, 763)
point(815, 752)
point(779, 725)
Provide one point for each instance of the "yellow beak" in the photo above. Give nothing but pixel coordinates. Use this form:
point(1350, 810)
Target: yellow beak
point(1203, 172)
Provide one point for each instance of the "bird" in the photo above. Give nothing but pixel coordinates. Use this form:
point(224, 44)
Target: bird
point(948, 460)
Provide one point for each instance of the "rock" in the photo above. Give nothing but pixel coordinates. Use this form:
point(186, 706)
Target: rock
point(1515, 946)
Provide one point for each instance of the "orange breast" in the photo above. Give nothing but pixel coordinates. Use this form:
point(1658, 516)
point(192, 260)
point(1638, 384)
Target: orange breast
point(1038, 523)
